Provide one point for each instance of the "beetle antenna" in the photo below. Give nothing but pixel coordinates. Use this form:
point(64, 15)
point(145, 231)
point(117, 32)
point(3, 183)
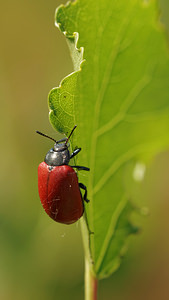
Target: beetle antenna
point(46, 136)
point(70, 134)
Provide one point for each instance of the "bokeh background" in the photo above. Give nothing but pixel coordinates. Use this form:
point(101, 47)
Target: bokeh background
point(40, 259)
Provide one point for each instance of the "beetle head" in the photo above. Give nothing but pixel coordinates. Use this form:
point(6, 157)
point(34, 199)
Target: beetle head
point(59, 155)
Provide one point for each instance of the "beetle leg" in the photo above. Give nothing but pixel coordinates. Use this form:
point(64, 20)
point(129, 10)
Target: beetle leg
point(75, 152)
point(82, 186)
point(81, 168)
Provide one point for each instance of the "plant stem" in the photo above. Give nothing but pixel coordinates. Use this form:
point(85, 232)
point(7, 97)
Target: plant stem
point(90, 282)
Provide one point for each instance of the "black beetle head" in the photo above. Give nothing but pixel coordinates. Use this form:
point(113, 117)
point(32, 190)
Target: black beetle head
point(59, 155)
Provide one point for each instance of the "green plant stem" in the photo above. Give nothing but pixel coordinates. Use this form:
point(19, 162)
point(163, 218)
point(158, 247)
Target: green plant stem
point(90, 282)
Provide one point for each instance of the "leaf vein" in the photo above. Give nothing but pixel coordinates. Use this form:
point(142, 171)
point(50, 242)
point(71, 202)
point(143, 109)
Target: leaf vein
point(119, 162)
point(131, 98)
point(111, 230)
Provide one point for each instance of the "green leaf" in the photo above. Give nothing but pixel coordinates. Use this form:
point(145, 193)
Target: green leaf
point(61, 103)
point(119, 99)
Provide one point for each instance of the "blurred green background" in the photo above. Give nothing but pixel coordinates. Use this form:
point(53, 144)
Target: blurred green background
point(40, 259)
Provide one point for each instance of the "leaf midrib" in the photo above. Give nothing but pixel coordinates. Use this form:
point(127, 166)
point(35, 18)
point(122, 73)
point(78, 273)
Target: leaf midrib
point(101, 93)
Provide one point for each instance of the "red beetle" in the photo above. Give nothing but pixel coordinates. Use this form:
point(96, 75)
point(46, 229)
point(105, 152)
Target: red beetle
point(58, 185)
